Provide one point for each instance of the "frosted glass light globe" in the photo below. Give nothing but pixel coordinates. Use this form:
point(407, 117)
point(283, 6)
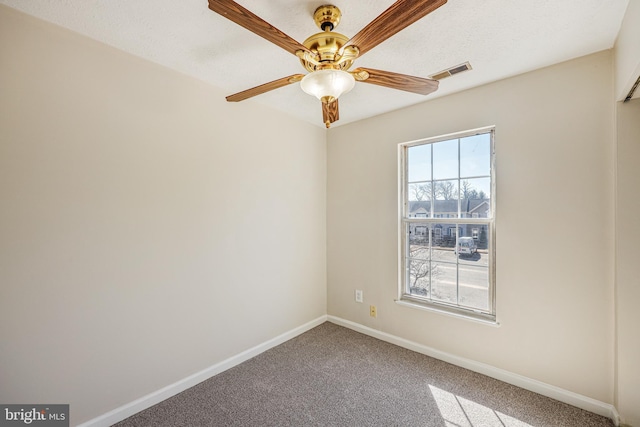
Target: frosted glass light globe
point(327, 84)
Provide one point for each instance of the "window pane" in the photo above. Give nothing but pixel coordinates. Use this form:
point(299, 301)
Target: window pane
point(418, 277)
point(475, 188)
point(446, 202)
point(474, 286)
point(475, 155)
point(445, 159)
point(473, 244)
point(443, 237)
point(419, 163)
point(476, 198)
point(418, 241)
point(420, 191)
point(444, 282)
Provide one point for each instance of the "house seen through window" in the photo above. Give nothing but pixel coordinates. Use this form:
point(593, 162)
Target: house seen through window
point(447, 223)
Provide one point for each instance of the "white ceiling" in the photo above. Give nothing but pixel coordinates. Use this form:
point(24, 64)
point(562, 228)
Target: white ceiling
point(500, 38)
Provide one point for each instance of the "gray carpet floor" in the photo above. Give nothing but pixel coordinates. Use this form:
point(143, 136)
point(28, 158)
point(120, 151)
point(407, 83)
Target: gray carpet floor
point(333, 376)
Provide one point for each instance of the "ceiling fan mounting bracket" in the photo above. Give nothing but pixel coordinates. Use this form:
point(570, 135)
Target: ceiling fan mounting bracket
point(327, 17)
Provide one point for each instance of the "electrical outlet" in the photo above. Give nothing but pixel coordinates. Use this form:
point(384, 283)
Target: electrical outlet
point(359, 297)
point(373, 311)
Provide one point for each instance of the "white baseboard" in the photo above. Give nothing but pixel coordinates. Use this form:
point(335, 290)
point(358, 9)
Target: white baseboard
point(557, 393)
point(615, 416)
point(164, 393)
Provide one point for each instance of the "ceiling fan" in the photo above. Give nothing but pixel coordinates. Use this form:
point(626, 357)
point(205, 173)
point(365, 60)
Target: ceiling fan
point(328, 55)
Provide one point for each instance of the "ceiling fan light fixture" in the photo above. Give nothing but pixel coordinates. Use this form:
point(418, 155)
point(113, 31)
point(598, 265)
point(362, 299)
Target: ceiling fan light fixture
point(327, 85)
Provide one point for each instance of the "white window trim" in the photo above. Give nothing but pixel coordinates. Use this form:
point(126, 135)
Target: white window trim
point(405, 299)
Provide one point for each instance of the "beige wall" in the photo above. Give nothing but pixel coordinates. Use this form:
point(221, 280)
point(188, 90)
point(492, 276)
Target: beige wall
point(148, 229)
point(554, 143)
point(627, 266)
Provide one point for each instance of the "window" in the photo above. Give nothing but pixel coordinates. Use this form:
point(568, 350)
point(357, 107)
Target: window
point(447, 257)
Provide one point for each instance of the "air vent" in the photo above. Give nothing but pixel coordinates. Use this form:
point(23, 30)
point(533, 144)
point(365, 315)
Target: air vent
point(451, 71)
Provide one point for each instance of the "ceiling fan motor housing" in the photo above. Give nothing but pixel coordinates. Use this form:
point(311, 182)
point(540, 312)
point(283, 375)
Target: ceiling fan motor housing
point(327, 44)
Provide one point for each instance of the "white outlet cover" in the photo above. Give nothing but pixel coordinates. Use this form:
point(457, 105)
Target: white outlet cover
point(359, 297)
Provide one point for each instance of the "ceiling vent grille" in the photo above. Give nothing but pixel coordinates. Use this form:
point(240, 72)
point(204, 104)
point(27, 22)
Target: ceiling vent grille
point(451, 71)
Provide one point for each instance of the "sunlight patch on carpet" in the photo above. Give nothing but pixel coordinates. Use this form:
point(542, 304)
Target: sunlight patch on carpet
point(456, 411)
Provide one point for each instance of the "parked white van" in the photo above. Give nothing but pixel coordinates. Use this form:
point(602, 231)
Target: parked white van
point(466, 246)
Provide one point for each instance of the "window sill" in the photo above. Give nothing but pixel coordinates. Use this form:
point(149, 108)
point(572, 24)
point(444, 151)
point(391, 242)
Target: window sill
point(459, 314)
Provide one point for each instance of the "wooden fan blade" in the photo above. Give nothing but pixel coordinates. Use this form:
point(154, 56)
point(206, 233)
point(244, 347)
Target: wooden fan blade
point(330, 113)
point(241, 16)
point(404, 82)
point(400, 15)
point(240, 96)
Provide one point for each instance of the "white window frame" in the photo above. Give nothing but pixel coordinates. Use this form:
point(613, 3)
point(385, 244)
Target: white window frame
point(406, 298)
